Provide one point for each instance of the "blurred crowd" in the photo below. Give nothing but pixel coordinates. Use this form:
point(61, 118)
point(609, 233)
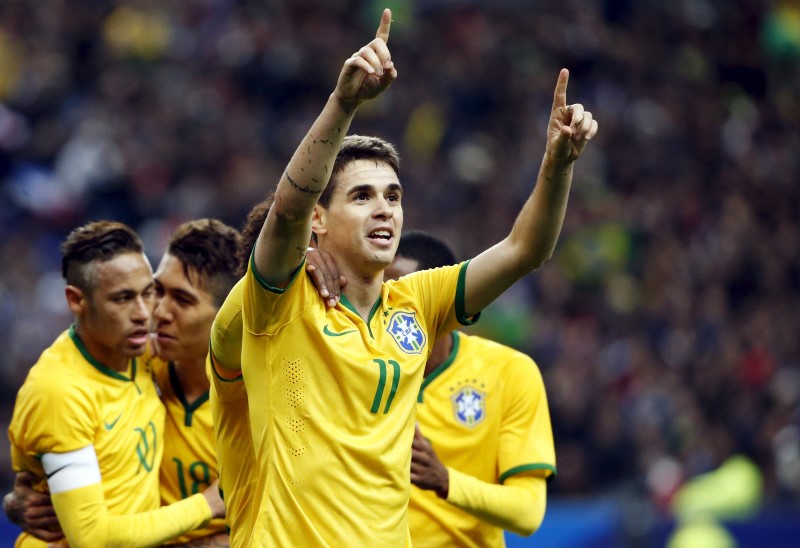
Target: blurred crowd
point(666, 324)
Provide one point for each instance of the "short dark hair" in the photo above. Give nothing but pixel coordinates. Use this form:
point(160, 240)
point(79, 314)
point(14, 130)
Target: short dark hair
point(97, 241)
point(425, 248)
point(359, 147)
point(208, 247)
point(250, 230)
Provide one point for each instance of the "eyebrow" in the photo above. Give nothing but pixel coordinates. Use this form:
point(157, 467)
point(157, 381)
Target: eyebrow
point(177, 291)
point(371, 188)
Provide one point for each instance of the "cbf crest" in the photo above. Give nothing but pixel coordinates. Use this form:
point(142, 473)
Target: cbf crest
point(406, 332)
point(469, 406)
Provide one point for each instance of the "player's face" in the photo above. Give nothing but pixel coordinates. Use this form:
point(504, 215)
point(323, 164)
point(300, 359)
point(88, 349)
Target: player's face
point(364, 219)
point(184, 312)
point(114, 318)
point(400, 267)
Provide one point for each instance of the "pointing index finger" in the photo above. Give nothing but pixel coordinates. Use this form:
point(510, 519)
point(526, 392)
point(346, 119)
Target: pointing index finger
point(560, 95)
point(386, 23)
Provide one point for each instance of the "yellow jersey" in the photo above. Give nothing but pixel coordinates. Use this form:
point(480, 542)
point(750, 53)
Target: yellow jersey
point(332, 400)
point(235, 457)
point(69, 401)
point(189, 462)
point(484, 410)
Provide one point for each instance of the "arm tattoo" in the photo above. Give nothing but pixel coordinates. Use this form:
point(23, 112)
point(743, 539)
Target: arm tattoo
point(306, 189)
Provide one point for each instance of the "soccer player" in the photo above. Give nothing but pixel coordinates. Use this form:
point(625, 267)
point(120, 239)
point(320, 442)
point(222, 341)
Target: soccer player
point(483, 448)
point(195, 274)
point(88, 423)
point(332, 390)
point(192, 280)
point(235, 454)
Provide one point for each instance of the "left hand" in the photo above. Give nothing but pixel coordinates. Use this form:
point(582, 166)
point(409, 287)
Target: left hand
point(427, 471)
point(570, 128)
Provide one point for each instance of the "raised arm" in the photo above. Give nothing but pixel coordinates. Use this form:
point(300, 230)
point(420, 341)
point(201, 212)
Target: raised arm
point(535, 232)
point(282, 244)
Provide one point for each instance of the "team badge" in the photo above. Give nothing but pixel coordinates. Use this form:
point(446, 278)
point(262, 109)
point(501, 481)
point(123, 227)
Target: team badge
point(469, 406)
point(406, 332)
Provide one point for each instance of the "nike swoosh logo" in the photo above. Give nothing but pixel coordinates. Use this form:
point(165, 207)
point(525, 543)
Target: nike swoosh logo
point(113, 424)
point(330, 333)
point(54, 472)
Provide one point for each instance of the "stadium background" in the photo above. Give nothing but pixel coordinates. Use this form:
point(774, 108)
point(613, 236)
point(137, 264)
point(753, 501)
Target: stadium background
point(666, 324)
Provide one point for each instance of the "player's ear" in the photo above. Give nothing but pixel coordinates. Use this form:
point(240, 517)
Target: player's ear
point(76, 299)
point(319, 219)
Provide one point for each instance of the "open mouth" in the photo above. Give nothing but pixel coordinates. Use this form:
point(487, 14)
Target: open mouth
point(138, 338)
point(380, 235)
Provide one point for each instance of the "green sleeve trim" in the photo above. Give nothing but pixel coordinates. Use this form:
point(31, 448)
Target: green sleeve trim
point(263, 282)
point(214, 368)
point(527, 468)
point(461, 314)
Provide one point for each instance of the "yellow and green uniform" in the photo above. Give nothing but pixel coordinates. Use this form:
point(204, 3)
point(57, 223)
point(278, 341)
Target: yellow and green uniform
point(332, 402)
point(485, 412)
point(189, 463)
point(228, 398)
point(70, 401)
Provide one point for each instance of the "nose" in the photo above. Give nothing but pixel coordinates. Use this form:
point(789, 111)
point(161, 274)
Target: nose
point(383, 209)
point(143, 309)
point(161, 311)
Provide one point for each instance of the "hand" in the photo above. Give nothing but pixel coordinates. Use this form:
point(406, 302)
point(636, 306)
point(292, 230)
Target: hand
point(570, 128)
point(325, 275)
point(369, 71)
point(214, 500)
point(427, 471)
point(219, 540)
point(31, 510)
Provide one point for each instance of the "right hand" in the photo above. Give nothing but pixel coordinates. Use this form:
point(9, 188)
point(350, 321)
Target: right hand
point(427, 471)
point(214, 500)
point(370, 70)
point(570, 127)
point(325, 274)
point(31, 510)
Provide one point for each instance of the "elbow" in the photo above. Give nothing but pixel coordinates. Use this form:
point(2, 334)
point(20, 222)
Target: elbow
point(528, 523)
point(287, 216)
point(527, 528)
point(527, 257)
point(540, 260)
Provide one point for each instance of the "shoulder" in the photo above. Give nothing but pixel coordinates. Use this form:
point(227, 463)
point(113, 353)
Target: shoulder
point(57, 372)
point(509, 360)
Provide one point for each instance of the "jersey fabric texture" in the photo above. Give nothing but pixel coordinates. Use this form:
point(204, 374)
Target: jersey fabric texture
point(332, 402)
point(485, 412)
point(235, 457)
point(189, 462)
point(70, 400)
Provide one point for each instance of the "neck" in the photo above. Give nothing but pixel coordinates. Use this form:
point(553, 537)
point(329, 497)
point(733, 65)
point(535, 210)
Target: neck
point(112, 360)
point(441, 351)
point(192, 376)
point(362, 292)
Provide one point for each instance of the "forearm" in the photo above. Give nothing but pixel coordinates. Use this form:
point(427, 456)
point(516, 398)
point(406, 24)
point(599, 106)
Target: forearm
point(86, 521)
point(538, 225)
point(288, 224)
point(517, 506)
point(309, 170)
